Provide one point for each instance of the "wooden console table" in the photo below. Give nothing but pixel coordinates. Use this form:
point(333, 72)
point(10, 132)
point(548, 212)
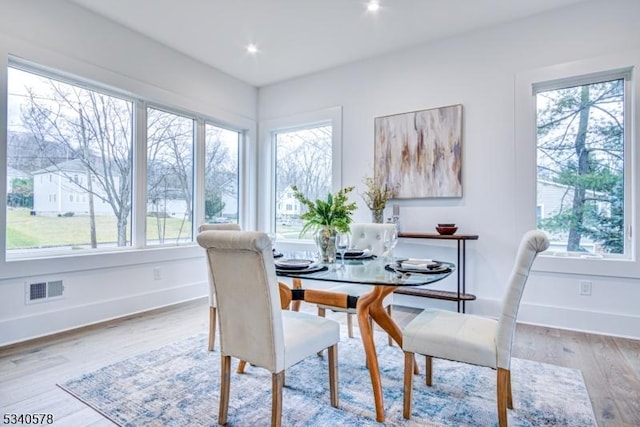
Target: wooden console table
point(461, 296)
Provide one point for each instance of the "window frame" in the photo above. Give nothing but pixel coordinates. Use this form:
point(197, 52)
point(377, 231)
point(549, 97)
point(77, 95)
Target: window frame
point(527, 84)
point(55, 261)
point(196, 142)
point(267, 168)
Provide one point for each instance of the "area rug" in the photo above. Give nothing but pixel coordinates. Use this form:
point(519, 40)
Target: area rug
point(178, 385)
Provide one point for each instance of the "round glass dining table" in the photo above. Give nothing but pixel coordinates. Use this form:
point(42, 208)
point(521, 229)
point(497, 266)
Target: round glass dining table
point(387, 275)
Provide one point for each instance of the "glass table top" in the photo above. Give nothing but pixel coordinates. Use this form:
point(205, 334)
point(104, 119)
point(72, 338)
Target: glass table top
point(376, 271)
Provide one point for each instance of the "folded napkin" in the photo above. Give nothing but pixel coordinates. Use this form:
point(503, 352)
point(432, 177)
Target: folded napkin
point(357, 253)
point(418, 263)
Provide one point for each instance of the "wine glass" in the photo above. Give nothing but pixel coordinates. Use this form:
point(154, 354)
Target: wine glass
point(273, 236)
point(390, 241)
point(343, 240)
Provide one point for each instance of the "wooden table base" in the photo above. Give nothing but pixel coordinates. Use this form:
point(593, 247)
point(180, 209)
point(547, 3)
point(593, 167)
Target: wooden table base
point(370, 305)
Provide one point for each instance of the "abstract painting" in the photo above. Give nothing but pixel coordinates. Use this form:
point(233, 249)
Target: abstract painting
point(419, 154)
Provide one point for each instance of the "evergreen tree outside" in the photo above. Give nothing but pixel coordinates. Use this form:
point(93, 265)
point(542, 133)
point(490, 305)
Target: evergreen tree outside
point(580, 148)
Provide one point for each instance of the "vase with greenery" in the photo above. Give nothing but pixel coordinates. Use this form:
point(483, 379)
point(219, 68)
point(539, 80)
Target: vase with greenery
point(376, 196)
point(326, 218)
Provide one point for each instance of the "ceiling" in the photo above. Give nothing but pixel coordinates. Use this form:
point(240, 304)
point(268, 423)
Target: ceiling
point(298, 37)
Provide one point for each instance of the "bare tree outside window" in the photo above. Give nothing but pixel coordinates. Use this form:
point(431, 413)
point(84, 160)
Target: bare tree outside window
point(221, 174)
point(303, 158)
point(581, 160)
point(81, 140)
point(170, 140)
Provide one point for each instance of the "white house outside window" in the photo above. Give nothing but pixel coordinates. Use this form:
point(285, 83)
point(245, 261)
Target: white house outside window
point(70, 169)
point(65, 131)
point(304, 159)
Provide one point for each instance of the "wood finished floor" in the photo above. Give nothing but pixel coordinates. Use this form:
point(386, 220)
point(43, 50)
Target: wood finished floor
point(29, 372)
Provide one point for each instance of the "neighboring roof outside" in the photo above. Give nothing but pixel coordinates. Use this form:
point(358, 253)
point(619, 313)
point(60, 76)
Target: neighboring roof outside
point(75, 165)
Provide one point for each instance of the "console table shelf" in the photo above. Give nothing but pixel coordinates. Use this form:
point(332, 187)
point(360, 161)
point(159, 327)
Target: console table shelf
point(460, 296)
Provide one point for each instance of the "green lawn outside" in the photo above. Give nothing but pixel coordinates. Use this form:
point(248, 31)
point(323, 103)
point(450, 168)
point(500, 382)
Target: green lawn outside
point(25, 231)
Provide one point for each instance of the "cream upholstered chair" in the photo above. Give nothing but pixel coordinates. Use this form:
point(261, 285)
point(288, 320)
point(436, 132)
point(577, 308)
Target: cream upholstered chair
point(363, 236)
point(253, 327)
point(473, 339)
point(212, 296)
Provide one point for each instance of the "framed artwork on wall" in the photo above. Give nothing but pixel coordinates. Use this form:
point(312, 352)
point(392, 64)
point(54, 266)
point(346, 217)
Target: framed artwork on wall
point(419, 153)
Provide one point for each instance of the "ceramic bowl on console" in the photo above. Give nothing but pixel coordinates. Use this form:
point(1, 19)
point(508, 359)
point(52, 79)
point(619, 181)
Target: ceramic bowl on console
point(446, 229)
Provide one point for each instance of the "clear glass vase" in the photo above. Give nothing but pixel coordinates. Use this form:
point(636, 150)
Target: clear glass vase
point(377, 215)
point(326, 242)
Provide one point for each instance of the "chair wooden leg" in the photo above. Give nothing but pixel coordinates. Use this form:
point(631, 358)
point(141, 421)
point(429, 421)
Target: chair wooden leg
point(241, 365)
point(502, 388)
point(212, 327)
point(277, 381)
point(225, 380)
point(509, 395)
point(333, 375)
point(428, 369)
point(321, 313)
point(408, 384)
point(389, 336)
point(350, 325)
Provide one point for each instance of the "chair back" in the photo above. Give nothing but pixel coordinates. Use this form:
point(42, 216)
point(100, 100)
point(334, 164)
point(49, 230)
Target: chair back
point(247, 294)
point(231, 227)
point(532, 243)
point(369, 235)
point(205, 227)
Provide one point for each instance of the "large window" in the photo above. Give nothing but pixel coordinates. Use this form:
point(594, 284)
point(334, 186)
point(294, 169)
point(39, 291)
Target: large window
point(303, 159)
point(72, 169)
point(170, 140)
point(69, 158)
point(221, 174)
point(582, 157)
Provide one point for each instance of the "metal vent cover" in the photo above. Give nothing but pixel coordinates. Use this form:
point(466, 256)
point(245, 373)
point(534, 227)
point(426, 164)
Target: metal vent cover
point(42, 290)
point(55, 288)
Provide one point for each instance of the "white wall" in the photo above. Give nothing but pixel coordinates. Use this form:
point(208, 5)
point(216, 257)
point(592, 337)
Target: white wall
point(63, 36)
point(478, 70)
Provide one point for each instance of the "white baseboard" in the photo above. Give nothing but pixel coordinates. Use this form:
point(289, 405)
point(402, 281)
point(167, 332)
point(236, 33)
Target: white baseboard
point(613, 324)
point(23, 328)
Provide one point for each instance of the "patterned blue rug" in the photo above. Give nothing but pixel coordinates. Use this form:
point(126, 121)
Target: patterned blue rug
point(178, 385)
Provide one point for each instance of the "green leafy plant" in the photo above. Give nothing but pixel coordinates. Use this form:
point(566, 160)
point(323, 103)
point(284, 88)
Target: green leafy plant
point(333, 213)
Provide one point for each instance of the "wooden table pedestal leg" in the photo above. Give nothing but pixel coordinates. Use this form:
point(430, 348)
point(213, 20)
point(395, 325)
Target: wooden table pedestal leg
point(364, 302)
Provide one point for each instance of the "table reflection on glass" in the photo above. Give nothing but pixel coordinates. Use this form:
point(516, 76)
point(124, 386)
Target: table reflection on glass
point(368, 272)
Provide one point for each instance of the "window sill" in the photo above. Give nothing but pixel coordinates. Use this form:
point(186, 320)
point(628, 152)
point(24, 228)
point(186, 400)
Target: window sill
point(74, 262)
point(587, 266)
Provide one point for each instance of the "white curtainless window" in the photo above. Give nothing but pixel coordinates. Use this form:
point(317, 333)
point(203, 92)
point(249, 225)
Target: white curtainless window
point(582, 160)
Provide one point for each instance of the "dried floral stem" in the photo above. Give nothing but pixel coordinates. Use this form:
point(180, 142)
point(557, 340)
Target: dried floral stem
point(376, 194)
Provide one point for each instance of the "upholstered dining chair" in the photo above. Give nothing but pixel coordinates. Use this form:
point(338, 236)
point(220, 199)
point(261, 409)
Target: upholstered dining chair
point(212, 296)
point(473, 339)
point(368, 236)
point(252, 325)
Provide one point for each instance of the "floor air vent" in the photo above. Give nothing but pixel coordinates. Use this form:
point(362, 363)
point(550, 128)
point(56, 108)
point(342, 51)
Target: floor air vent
point(43, 291)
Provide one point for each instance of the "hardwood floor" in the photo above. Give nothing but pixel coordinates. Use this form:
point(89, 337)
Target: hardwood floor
point(29, 371)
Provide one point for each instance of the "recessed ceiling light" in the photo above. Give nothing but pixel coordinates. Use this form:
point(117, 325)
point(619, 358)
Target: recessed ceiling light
point(252, 48)
point(373, 6)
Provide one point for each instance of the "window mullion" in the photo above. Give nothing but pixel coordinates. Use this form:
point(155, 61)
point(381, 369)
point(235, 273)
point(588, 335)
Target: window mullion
point(199, 162)
point(139, 175)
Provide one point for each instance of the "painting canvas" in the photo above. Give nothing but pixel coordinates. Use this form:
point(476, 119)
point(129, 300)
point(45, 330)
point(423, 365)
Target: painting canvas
point(419, 154)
